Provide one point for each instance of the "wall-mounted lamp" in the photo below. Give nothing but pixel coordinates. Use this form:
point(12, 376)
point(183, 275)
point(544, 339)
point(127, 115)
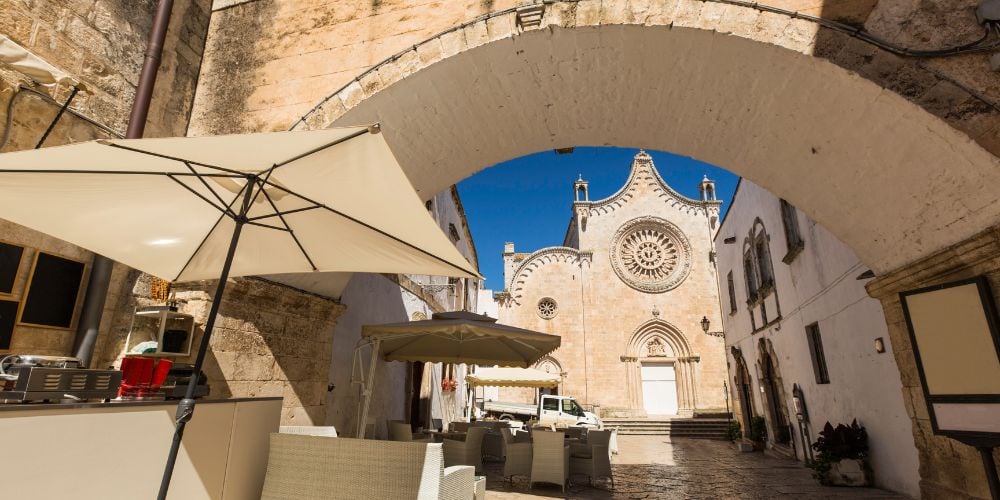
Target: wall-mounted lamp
point(879, 345)
point(705, 324)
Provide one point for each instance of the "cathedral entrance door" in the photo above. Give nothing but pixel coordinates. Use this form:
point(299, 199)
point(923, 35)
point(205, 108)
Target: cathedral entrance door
point(659, 388)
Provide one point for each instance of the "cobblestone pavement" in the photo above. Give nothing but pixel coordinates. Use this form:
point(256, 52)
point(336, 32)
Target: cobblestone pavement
point(660, 467)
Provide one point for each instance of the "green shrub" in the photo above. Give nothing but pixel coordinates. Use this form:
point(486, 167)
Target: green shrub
point(734, 432)
point(758, 429)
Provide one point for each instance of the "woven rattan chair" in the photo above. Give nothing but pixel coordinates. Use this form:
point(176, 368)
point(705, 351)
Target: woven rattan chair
point(400, 431)
point(468, 452)
point(309, 430)
point(517, 454)
point(594, 458)
point(458, 426)
point(549, 458)
point(575, 432)
point(307, 467)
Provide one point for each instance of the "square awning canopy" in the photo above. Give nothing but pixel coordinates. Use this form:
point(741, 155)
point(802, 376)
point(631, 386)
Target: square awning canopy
point(461, 337)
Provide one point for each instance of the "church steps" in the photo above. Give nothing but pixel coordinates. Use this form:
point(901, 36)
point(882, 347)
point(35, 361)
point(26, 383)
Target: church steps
point(697, 428)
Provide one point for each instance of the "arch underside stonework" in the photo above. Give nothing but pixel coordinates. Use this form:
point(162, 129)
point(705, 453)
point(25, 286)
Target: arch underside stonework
point(725, 84)
point(658, 341)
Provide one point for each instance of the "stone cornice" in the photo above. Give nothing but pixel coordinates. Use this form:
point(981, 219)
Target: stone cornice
point(951, 263)
point(541, 257)
point(643, 172)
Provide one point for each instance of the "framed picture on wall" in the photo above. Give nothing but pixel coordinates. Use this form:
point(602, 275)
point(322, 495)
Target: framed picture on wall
point(955, 333)
point(52, 292)
point(10, 262)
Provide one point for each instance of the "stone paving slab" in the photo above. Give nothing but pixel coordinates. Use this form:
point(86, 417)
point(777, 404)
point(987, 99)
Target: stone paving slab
point(653, 467)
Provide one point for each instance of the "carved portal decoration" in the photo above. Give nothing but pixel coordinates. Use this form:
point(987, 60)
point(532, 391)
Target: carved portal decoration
point(651, 254)
point(547, 308)
point(655, 347)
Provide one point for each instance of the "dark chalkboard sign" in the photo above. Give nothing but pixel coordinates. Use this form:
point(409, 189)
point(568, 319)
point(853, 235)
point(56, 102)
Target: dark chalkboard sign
point(10, 261)
point(8, 316)
point(50, 300)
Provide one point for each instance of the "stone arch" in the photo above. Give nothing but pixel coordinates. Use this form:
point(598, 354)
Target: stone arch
point(775, 410)
point(539, 258)
point(676, 350)
point(492, 90)
point(743, 389)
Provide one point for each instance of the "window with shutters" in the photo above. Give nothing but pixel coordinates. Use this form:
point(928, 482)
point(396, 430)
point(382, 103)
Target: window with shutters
point(793, 238)
point(816, 353)
point(732, 292)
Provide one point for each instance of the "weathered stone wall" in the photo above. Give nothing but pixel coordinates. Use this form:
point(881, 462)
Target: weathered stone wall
point(269, 340)
point(948, 469)
point(102, 44)
point(295, 54)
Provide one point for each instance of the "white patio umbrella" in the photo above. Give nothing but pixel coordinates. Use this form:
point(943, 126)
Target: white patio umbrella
point(200, 208)
point(451, 337)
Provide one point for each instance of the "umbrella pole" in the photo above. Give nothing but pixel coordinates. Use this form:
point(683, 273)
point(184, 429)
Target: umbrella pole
point(366, 395)
point(185, 409)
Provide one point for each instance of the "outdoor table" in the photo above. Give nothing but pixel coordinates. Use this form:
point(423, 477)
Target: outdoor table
point(441, 435)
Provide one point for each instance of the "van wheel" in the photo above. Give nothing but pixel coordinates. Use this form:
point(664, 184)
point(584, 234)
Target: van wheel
point(506, 418)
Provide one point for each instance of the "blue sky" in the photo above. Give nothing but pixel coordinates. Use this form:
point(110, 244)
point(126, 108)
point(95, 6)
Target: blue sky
point(527, 200)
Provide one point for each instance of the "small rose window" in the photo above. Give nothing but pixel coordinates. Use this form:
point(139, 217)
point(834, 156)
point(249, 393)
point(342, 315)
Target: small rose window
point(547, 308)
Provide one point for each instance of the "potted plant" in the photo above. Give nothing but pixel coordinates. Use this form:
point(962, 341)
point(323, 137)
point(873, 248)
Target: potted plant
point(734, 431)
point(842, 458)
point(758, 432)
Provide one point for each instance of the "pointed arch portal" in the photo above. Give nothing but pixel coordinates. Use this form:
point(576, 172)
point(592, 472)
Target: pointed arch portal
point(660, 371)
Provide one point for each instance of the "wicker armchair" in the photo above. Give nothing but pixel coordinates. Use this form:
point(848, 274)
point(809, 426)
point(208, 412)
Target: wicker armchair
point(594, 458)
point(549, 458)
point(400, 431)
point(459, 426)
point(468, 452)
point(309, 430)
point(312, 467)
point(517, 454)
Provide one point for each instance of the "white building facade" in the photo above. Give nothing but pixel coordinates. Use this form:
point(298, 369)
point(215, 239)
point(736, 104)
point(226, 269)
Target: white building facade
point(799, 324)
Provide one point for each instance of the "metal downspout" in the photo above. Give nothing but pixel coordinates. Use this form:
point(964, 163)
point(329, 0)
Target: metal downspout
point(100, 273)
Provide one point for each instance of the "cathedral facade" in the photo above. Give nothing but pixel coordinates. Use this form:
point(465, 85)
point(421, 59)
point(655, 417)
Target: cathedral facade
point(629, 292)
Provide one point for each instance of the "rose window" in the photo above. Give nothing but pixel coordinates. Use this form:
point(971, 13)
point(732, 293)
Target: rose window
point(547, 308)
point(650, 254)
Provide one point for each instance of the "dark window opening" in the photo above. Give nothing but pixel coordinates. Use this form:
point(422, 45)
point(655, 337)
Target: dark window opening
point(817, 355)
point(732, 292)
point(793, 238)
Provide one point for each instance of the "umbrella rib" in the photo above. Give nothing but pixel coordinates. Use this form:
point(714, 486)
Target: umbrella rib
point(224, 210)
point(209, 234)
point(116, 172)
point(369, 226)
point(286, 212)
point(318, 149)
point(276, 228)
point(288, 227)
point(209, 188)
point(174, 158)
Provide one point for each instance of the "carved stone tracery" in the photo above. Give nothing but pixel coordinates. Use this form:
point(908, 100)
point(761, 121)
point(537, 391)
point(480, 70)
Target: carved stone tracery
point(651, 254)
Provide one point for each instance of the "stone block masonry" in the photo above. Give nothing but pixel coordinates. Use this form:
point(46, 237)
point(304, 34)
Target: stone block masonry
point(269, 341)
